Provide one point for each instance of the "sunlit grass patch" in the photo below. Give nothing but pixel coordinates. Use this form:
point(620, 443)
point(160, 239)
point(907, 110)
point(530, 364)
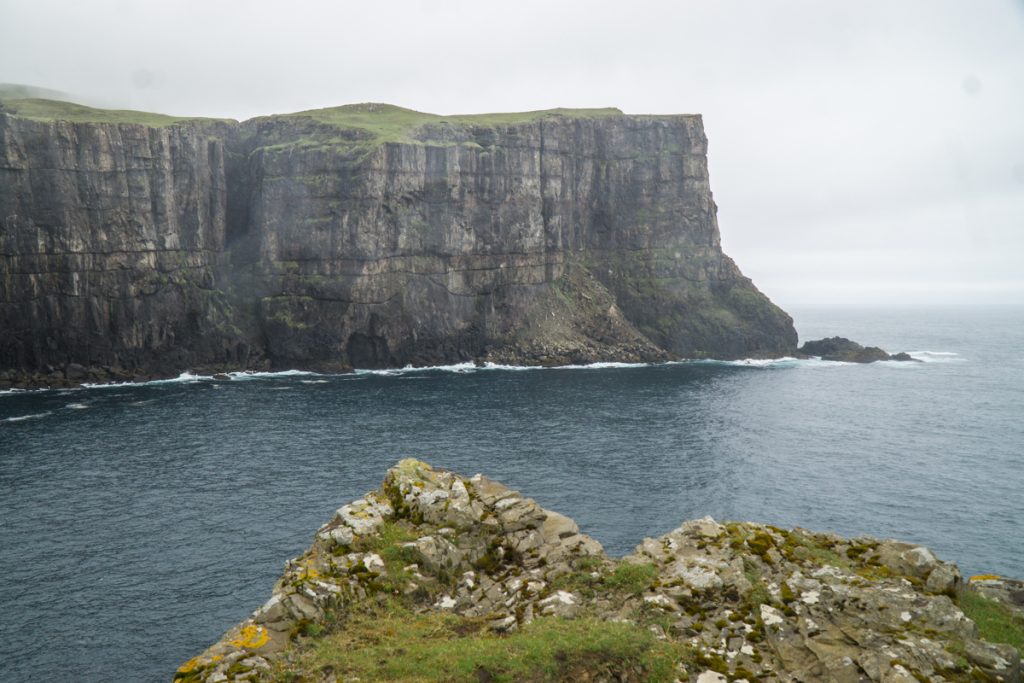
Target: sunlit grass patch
point(996, 623)
point(393, 644)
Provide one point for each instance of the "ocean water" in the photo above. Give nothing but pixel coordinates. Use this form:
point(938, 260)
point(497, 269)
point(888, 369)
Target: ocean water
point(137, 523)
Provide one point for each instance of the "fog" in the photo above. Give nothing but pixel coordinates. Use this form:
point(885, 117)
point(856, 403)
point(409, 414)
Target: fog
point(860, 153)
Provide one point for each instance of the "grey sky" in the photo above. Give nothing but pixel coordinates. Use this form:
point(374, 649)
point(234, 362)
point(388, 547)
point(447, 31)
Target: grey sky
point(860, 152)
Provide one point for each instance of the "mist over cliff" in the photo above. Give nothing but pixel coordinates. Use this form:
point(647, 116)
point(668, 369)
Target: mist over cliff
point(368, 235)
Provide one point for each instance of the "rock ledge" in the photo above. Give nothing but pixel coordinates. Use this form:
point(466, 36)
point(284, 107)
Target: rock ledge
point(739, 601)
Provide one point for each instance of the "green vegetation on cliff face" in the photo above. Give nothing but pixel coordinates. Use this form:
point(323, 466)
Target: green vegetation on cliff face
point(997, 622)
point(388, 123)
point(55, 110)
point(389, 642)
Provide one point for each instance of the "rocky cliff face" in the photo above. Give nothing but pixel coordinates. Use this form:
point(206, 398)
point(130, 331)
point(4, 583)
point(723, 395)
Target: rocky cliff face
point(110, 239)
point(365, 236)
point(441, 577)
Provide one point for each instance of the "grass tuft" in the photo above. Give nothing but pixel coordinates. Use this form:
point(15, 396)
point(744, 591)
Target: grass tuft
point(632, 578)
point(996, 623)
point(390, 643)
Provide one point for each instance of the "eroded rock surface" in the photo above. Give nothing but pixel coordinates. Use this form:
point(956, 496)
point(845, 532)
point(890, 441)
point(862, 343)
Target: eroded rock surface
point(741, 601)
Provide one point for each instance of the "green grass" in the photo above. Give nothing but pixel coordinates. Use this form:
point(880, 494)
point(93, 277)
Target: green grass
point(390, 643)
point(54, 110)
point(388, 123)
point(632, 578)
point(996, 623)
point(367, 124)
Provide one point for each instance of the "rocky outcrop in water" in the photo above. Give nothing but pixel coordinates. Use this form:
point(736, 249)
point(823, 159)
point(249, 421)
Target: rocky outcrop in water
point(463, 561)
point(847, 351)
point(134, 245)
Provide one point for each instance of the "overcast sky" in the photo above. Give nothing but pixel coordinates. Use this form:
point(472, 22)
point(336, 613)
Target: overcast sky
point(860, 152)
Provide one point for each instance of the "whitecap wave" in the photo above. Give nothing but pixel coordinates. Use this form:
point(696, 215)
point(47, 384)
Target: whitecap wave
point(77, 406)
point(190, 378)
point(253, 374)
point(313, 381)
point(937, 356)
point(15, 392)
point(461, 368)
point(784, 362)
point(23, 418)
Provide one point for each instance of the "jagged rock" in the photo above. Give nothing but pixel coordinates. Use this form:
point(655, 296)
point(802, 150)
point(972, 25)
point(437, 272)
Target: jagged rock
point(748, 601)
point(842, 349)
point(307, 241)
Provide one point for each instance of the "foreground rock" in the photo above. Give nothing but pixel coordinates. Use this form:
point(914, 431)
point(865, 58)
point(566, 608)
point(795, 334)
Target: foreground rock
point(843, 349)
point(724, 602)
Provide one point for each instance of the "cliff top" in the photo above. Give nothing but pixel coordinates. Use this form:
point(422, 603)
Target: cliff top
point(374, 121)
point(38, 109)
point(436, 576)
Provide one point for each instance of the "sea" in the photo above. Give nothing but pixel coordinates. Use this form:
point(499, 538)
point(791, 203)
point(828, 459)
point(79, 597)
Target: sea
point(139, 522)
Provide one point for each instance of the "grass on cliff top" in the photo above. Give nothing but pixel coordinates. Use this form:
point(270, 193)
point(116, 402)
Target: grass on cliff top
point(390, 643)
point(55, 110)
point(996, 623)
point(388, 123)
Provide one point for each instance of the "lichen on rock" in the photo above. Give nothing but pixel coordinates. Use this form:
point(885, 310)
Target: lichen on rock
point(733, 601)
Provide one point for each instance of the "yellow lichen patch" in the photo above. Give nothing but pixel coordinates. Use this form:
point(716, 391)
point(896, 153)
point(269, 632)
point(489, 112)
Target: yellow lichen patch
point(412, 466)
point(985, 577)
point(188, 666)
point(309, 572)
point(252, 637)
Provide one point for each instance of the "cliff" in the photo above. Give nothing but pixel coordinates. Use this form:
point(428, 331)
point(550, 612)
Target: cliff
point(436, 576)
point(368, 235)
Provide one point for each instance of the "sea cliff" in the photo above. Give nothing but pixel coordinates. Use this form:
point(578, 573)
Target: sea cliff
point(436, 576)
point(134, 245)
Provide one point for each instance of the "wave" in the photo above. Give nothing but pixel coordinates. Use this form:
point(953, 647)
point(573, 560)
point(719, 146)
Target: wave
point(77, 406)
point(22, 418)
point(190, 378)
point(15, 392)
point(252, 374)
point(937, 356)
point(469, 368)
point(784, 362)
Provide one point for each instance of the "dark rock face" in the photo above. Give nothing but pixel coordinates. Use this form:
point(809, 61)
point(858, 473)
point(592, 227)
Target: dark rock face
point(843, 349)
point(290, 242)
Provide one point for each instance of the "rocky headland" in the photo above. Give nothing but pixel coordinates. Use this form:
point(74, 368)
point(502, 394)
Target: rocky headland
point(436, 576)
point(847, 351)
point(135, 246)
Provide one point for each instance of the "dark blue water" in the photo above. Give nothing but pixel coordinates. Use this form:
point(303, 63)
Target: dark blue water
point(138, 523)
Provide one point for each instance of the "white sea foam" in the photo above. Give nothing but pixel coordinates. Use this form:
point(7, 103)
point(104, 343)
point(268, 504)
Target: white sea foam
point(393, 372)
point(784, 362)
point(22, 418)
point(190, 378)
point(467, 368)
point(313, 381)
point(252, 374)
point(77, 406)
point(937, 356)
point(15, 392)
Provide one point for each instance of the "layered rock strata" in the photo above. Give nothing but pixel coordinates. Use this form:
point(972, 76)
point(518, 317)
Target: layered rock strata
point(735, 601)
point(361, 236)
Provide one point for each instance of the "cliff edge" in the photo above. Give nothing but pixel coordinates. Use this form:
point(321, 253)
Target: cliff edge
point(136, 244)
point(436, 576)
